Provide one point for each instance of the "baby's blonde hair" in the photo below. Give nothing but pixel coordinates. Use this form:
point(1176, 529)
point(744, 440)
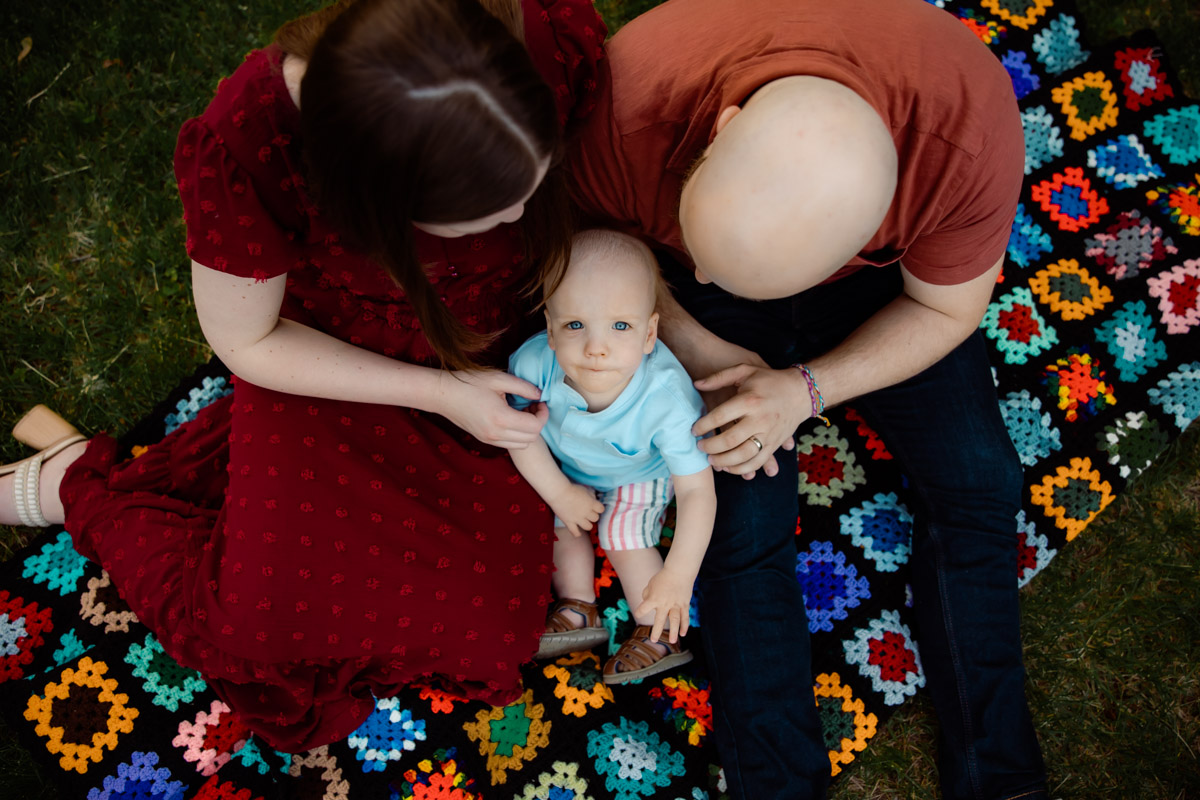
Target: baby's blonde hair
point(612, 245)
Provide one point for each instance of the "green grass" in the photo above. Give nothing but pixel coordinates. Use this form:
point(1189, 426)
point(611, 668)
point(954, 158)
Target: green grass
point(97, 311)
point(1111, 633)
point(97, 321)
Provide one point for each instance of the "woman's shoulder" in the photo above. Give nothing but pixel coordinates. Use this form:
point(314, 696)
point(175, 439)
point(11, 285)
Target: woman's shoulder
point(251, 107)
point(237, 166)
point(565, 39)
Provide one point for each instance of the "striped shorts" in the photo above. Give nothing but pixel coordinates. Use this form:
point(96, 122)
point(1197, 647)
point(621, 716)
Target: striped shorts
point(633, 514)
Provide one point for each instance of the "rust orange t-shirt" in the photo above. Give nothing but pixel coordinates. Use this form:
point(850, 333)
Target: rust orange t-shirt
point(947, 100)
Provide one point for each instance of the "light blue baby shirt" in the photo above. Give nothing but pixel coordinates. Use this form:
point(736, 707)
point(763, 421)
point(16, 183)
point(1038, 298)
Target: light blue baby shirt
point(645, 434)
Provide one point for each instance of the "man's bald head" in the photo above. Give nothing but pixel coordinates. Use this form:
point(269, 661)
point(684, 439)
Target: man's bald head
point(793, 186)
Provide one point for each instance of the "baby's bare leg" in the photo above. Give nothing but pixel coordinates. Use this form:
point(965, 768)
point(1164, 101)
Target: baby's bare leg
point(575, 566)
point(635, 568)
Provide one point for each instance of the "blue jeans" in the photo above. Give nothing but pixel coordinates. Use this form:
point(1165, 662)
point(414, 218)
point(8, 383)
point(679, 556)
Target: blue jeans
point(944, 428)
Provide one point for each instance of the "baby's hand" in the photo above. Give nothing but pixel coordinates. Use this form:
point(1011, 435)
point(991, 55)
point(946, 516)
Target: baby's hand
point(669, 596)
point(577, 508)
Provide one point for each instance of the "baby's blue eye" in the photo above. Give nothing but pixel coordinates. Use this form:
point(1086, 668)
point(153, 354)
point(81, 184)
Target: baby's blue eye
point(575, 325)
point(621, 326)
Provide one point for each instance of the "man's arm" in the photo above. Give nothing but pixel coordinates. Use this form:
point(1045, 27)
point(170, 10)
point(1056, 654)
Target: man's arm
point(702, 354)
point(700, 350)
point(910, 334)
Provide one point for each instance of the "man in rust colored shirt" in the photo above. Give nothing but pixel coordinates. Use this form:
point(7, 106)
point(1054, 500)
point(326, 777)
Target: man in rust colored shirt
point(841, 179)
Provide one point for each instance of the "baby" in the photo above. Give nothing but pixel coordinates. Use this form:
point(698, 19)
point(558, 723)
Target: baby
point(621, 409)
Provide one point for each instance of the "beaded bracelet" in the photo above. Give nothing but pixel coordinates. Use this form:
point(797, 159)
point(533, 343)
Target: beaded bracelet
point(814, 393)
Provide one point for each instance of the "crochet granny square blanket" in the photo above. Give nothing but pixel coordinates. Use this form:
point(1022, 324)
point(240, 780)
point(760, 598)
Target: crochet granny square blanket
point(1095, 342)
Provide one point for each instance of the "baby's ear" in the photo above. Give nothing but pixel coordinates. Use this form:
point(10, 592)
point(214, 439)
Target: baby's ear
point(651, 333)
point(549, 329)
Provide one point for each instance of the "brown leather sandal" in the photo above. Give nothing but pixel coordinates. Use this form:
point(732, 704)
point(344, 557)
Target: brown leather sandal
point(562, 636)
point(638, 658)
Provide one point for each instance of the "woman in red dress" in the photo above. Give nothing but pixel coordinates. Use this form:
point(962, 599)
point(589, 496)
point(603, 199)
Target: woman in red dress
point(348, 521)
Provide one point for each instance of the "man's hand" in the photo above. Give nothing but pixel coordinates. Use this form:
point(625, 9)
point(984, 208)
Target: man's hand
point(707, 356)
point(723, 383)
point(766, 407)
point(577, 508)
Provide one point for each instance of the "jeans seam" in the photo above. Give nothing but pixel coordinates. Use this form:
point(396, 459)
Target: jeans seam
point(971, 757)
point(1030, 793)
point(719, 709)
point(956, 662)
point(969, 749)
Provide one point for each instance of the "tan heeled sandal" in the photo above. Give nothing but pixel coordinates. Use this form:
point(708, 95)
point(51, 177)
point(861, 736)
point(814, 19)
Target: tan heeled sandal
point(41, 428)
point(51, 434)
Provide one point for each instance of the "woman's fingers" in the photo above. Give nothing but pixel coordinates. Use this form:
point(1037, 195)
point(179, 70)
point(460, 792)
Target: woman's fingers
point(511, 384)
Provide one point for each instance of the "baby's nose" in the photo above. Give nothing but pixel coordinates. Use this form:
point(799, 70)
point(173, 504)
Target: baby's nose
point(596, 346)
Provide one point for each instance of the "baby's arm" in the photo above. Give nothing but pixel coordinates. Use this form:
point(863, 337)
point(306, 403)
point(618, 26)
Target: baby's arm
point(669, 593)
point(575, 505)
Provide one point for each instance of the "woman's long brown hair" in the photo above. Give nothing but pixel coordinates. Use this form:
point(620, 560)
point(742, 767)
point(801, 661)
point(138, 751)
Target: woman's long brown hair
point(427, 110)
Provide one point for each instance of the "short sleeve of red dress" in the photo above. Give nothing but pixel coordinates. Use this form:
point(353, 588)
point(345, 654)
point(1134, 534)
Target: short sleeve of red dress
point(233, 168)
point(565, 39)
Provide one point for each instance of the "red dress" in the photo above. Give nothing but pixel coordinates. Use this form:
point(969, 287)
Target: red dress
point(307, 554)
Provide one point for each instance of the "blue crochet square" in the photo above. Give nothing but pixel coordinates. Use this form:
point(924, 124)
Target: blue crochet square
point(1027, 242)
point(830, 585)
point(1123, 162)
point(1024, 79)
point(1057, 45)
point(1043, 139)
point(210, 390)
point(1133, 343)
point(1177, 132)
point(1030, 427)
point(1178, 394)
point(57, 565)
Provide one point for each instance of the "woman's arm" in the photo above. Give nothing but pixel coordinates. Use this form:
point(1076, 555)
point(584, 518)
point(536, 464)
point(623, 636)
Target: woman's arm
point(240, 319)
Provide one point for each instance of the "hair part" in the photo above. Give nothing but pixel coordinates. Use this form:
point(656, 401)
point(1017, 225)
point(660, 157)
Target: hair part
point(427, 110)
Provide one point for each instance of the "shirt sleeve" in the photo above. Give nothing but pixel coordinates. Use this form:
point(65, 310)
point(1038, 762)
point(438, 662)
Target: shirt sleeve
point(228, 227)
point(974, 233)
point(531, 362)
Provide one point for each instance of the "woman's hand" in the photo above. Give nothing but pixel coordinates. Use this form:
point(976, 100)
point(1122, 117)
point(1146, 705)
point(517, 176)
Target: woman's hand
point(669, 596)
point(474, 400)
point(767, 405)
point(576, 507)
